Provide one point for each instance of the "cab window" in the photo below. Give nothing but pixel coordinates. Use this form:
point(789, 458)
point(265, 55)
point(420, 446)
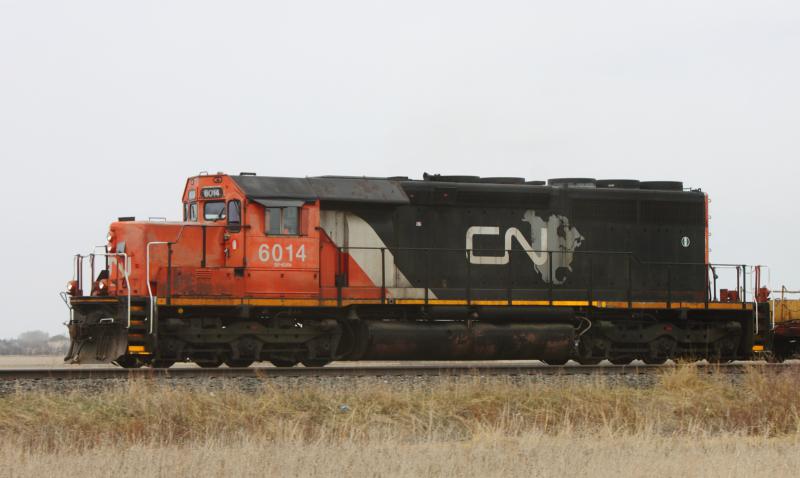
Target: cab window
point(193, 212)
point(282, 221)
point(234, 214)
point(214, 210)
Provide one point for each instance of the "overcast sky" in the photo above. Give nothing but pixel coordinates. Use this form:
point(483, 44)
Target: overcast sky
point(106, 107)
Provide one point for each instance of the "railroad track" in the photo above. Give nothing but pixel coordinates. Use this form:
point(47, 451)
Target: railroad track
point(372, 371)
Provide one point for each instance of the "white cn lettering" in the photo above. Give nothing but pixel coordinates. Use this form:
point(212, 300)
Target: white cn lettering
point(539, 257)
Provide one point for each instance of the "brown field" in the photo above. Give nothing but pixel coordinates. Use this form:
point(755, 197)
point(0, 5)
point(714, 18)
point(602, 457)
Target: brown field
point(688, 424)
point(31, 361)
point(489, 455)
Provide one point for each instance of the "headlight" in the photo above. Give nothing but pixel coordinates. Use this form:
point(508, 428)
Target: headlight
point(72, 288)
point(109, 236)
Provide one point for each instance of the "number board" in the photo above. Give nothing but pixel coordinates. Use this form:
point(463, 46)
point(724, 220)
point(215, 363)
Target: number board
point(211, 193)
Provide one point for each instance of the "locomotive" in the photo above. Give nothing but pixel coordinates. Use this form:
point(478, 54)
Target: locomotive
point(312, 270)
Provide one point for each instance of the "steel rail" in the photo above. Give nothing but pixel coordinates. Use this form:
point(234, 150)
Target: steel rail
point(374, 371)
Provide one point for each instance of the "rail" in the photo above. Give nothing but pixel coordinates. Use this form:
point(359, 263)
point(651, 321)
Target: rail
point(336, 370)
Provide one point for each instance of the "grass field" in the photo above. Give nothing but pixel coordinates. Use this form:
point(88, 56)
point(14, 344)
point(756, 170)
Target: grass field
point(688, 425)
point(488, 455)
point(31, 361)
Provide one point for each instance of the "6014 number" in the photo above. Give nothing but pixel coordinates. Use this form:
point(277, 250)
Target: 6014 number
point(279, 253)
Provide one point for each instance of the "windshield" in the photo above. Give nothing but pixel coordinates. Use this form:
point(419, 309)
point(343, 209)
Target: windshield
point(214, 210)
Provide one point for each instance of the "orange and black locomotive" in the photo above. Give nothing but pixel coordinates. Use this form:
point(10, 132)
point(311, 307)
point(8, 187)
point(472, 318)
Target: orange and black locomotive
point(311, 270)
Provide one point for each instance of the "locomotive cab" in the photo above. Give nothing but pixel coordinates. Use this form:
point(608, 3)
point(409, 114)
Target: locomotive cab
point(227, 246)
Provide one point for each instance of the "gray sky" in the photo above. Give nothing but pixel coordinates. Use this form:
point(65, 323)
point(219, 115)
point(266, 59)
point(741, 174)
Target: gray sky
point(106, 107)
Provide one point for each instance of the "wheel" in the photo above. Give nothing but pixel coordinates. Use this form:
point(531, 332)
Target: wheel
point(586, 352)
point(316, 362)
point(660, 350)
point(654, 361)
point(775, 358)
point(283, 363)
point(126, 361)
point(161, 363)
point(717, 360)
point(556, 361)
point(238, 363)
point(782, 349)
point(589, 360)
point(209, 363)
point(722, 351)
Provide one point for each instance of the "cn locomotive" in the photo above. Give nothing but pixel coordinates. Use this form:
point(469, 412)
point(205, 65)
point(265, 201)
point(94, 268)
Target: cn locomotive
point(312, 270)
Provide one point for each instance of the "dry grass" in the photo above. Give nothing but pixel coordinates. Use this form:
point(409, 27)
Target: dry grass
point(488, 455)
point(473, 427)
point(31, 361)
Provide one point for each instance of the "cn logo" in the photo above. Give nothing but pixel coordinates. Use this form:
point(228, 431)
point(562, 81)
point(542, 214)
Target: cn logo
point(538, 256)
point(554, 235)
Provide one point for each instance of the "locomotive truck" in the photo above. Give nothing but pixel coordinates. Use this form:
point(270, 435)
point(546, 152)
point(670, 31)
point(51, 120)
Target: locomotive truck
point(311, 270)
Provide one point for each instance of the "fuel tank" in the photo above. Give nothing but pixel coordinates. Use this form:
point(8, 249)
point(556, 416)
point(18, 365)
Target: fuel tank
point(464, 340)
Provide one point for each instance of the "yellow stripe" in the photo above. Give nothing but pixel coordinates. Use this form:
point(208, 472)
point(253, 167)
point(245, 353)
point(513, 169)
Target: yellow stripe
point(292, 302)
point(136, 349)
point(229, 302)
point(92, 300)
point(533, 302)
point(200, 301)
point(728, 306)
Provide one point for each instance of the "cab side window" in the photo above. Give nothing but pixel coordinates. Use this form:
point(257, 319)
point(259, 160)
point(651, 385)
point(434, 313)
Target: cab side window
point(282, 221)
point(190, 207)
point(234, 215)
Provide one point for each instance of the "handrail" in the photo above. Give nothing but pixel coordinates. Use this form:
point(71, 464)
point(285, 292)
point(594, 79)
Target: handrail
point(509, 287)
point(784, 291)
point(710, 268)
point(779, 301)
point(540, 251)
point(79, 264)
point(149, 288)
